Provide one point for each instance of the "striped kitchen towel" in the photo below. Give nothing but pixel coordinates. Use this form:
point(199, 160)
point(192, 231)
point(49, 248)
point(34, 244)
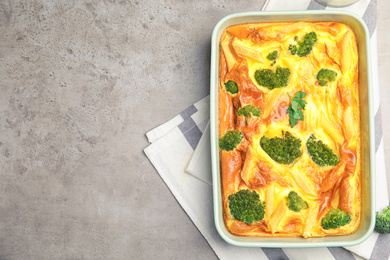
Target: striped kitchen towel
point(182, 146)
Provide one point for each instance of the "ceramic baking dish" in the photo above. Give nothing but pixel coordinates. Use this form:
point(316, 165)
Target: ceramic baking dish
point(367, 128)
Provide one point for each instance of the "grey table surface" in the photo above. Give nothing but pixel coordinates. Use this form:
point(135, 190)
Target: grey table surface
point(81, 83)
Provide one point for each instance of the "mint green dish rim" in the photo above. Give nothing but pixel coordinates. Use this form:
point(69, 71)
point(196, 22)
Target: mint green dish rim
point(368, 131)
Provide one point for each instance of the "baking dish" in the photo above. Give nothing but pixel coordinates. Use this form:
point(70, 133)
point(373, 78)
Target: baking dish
point(367, 128)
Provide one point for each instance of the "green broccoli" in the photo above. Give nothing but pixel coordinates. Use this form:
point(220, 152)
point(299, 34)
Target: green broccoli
point(293, 49)
point(270, 79)
point(230, 140)
point(273, 55)
point(325, 75)
point(284, 150)
point(320, 153)
point(303, 47)
point(382, 223)
point(249, 110)
point(246, 206)
point(231, 87)
point(295, 202)
point(335, 218)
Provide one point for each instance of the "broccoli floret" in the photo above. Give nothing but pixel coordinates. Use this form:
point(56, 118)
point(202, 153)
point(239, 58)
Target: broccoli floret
point(293, 49)
point(231, 87)
point(303, 47)
point(320, 153)
point(246, 206)
point(249, 110)
point(325, 75)
point(335, 218)
point(284, 150)
point(273, 55)
point(230, 140)
point(295, 202)
point(270, 79)
point(382, 223)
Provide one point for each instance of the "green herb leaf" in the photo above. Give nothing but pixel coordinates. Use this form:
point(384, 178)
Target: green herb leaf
point(300, 94)
point(298, 115)
point(293, 121)
point(296, 106)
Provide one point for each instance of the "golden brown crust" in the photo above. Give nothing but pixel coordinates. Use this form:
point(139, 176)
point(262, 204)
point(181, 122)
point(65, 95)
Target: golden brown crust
point(332, 113)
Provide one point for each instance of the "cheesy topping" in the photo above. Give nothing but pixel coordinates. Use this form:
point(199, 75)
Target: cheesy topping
point(331, 117)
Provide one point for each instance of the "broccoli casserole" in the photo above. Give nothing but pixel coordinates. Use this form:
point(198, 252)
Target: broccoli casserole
point(289, 129)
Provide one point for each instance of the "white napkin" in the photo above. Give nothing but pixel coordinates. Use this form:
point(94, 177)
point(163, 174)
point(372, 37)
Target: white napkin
point(172, 153)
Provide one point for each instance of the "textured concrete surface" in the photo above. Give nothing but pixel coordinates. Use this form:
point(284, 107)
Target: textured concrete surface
point(81, 83)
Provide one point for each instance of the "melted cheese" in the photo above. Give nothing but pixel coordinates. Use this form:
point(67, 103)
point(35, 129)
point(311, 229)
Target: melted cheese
point(331, 114)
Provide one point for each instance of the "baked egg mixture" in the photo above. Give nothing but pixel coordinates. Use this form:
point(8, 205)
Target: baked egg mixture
point(289, 129)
